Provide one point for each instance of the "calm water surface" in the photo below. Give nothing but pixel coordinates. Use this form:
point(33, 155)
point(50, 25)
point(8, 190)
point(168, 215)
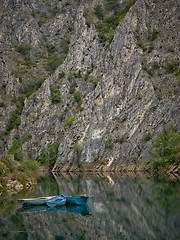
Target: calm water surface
point(121, 208)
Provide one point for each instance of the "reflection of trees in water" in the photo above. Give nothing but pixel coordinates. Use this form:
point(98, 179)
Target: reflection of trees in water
point(166, 193)
point(47, 186)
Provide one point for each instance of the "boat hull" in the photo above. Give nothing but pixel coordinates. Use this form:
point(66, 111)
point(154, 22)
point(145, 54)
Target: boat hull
point(56, 203)
point(34, 201)
point(82, 201)
point(53, 201)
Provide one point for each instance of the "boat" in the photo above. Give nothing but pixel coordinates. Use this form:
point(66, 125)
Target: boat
point(83, 200)
point(56, 201)
point(34, 201)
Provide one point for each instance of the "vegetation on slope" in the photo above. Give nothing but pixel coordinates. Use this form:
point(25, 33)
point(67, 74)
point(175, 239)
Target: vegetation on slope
point(109, 17)
point(165, 149)
point(22, 172)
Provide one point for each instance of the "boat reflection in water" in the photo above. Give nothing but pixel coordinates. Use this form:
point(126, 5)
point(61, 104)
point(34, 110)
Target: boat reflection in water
point(84, 210)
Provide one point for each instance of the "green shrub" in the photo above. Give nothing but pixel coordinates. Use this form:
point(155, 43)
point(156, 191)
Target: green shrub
point(109, 143)
point(71, 76)
point(29, 62)
point(1, 104)
point(98, 11)
point(164, 149)
point(112, 5)
point(155, 65)
point(55, 94)
point(147, 136)
point(172, 66)
point(41, 21)
point(48, 155)
point(87, 16)
point(86, 77)
point(139, 96)
point(2, 169)
point(154, 34)
point(94, 80)
point(107, 26)
point(31, 165)
point(177, 72)
point(43, 156)
point(77, 96)
point(61, 74)
point(79, 108)
point(9, 164)
point(51, 48)
point(53, 61)
point(30, 86)
point(62, 115)
point(68, 122)
point(20, 176)
point(66, 50)
point(72, 89)
point(14, 119)
point(77, 149)
point(27, 135)
point(151, 47)
point(53, 152)
point(140, 43)
point(24, 48)
point(21, 168)
point(16, 149)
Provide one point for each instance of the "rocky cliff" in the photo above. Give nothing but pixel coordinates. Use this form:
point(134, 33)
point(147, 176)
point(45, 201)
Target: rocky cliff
point(87, 81)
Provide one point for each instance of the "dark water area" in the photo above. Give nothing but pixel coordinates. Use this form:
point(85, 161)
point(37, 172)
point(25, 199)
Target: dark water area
point(120, 208)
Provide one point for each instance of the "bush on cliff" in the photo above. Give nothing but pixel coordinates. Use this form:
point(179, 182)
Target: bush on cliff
point(166, 148)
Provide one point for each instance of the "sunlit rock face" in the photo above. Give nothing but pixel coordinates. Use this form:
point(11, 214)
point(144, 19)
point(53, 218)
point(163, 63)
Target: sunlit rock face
point(103, 96)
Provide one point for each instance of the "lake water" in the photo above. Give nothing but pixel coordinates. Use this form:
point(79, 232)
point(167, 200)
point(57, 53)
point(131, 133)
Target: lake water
point(121, 207)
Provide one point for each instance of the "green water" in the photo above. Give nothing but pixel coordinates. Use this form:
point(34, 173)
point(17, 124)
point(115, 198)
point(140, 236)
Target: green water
point(120, 208)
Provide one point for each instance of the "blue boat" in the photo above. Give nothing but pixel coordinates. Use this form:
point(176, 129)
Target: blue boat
point(34, 201)
point(56, 201)
point(83, 200)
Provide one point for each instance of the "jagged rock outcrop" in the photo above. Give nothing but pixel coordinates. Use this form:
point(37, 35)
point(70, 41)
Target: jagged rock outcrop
point(111, 94)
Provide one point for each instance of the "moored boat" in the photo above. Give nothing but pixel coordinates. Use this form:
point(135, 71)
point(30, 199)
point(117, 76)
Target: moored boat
point(83, 200)
point(56, 201)
point(34, 201)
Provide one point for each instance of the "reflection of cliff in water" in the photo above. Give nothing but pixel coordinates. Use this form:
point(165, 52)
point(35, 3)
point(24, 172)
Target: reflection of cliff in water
point(121, 209)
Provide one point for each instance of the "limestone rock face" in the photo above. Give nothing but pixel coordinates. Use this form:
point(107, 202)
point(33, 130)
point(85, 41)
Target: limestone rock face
point(104, 97)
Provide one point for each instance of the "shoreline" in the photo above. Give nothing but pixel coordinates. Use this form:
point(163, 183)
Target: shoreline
point(118, 168)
